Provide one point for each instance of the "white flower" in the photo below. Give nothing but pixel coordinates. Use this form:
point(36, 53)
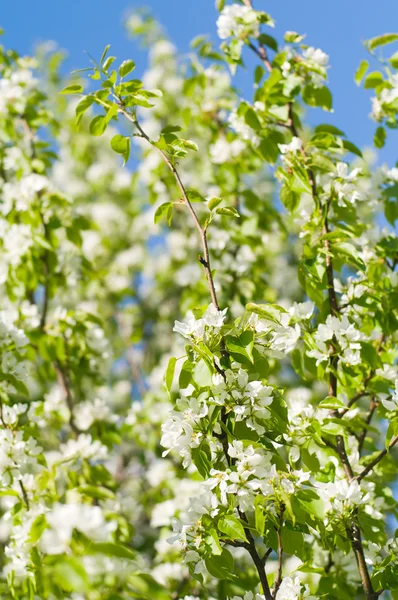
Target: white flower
point(290, 589)
point(237, 20)
point(295, 145)
point(213, 317)
point(341, 495)
point(64, 518)
point(302, 310)
point(192, 327)
point(392, 174)
point(342, 172)
point(316, 56)
point(89, 411)
point(285, 339)
point(83, 448)
point(196, 327)
point(347, 336)
point(393, 403)
point(223, 151)
point(389, 372)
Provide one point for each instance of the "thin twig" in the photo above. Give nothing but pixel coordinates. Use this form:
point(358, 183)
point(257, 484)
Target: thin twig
point(372, 409)
point(205, 260)
point(64, 382)
point(376, 460)
point(278, 579)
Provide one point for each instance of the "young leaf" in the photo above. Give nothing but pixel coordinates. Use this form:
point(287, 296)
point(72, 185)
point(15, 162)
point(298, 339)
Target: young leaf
point(381, 40)
point(126, 67)
point(72, 89)
point(98, 125)
point(363, 67)
point(121, 145)
point(232, 527)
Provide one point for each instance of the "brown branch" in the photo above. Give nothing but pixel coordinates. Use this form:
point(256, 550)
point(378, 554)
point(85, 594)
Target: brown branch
point(354, 535)
point(258, 562)
point(278, 579)
point(377, 459)
point(262, 54)
point(372, 409)
point(205, 261)
point(64, 382)
point(24, 494)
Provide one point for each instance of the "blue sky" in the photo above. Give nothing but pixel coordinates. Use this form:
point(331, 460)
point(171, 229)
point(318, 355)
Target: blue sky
point(339, 27)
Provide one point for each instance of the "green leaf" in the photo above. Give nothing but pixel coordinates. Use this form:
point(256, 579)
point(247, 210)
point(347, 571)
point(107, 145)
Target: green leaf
point(394, 60)
point(370, 355)
point(126, 67)
point(241, 345)
point(105, 52)
point(269, 41)
point(72, 89)
point(269, 150)
point(169, 376)
point(293, 542)
point(266, 310)
point(326, 128)
point(289, 199)
point(214, 202)
point(252, 119)
point(331, 403)
point(144, 587)
point(112, 549)
point(121, 145)
point(201, 461)
point(70, 575)
point(373, 80)
point(83, 105)
point(222, 566)
point(259, 518)
point(171, 129)
point(97, 491)
point(108, 63)
point(379, 138)
point(258, 74)
point(214, 542)
point(363, 67)
point(98, 125)
point(232, 527)
point(350, 147)
point(381, 40)
point(228, 210)
point(349, 253)
point(194, 196)
point(164, 211)
point(39, 525)
point(202, 374)
point(317, 96)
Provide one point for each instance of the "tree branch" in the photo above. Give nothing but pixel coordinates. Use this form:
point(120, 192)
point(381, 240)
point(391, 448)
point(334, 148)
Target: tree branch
point(205, 260)
point(376, 460)
point(372, 409)
point(278, 579)
point(64, 382)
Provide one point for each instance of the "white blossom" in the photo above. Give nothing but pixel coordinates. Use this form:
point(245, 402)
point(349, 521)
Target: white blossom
point(237, 20)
